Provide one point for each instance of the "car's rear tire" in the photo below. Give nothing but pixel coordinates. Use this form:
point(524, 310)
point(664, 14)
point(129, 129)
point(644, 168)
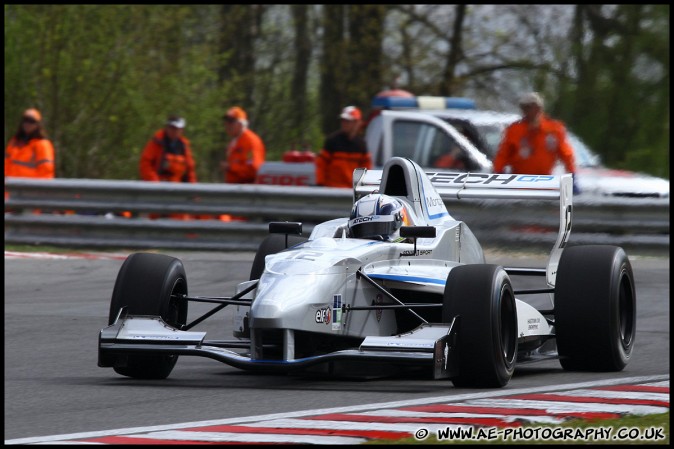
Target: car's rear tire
point(146, 285)
point(482, 296)
point(272, 244)
point(595, 308)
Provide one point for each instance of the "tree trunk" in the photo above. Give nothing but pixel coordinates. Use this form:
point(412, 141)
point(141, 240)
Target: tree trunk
point(240, 29)
point(622, 122)
point(455, 53)
point(333, 67)
point(366, 32)
point(299, 83)
point(407, 63)
point(586, 62)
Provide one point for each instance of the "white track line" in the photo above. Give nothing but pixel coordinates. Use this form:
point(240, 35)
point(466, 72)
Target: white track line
point(178, 435)
point(66, 256)
point(571, 407)
point(292, 423)
point(605, 394)
point(63, 443)
point(402, 414)
point(359, 408)
point(15, 255)
point(664, 383)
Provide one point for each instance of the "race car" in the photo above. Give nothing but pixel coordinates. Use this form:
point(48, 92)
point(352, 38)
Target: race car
point(397, 284)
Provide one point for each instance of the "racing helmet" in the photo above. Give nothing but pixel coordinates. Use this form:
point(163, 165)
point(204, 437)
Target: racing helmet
point(377, 216)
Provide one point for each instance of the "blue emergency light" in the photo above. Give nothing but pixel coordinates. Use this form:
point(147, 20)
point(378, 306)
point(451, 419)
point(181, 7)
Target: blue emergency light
point(421, 102)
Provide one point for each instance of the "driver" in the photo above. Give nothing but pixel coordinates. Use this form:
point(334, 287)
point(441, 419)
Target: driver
point(378, 217)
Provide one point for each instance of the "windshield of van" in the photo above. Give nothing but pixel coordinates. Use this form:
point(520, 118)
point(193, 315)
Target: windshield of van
point(585, 157)
point(491, 134)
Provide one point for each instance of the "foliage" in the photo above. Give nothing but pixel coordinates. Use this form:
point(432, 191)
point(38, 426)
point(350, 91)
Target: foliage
point(105, 77)
point(619, 99)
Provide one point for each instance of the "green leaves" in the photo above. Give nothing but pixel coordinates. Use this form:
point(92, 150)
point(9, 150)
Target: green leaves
point(105, 77)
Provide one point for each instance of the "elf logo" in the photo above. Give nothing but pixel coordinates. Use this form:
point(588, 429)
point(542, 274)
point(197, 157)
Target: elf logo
point(324, 315)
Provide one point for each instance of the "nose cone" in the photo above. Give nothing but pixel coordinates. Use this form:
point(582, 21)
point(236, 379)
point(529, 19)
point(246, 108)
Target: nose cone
point(291, 301)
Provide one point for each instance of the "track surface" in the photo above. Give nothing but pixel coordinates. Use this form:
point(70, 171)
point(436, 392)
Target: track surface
point(54, 309)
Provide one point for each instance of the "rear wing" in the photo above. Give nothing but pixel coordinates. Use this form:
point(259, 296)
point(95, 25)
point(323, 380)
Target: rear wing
point(458, 186)
point(475, 185)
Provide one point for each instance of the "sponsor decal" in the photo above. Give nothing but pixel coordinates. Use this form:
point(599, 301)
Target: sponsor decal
point(535, 178)
point(434, 201)
point(420, 252)
point(336, 312)
point(466, 179)
point(324, 315)
point(307, 255)
point(446, 354)
point(567, 228)
point(503, 179)
point(377, 312)
point(469, 178)
point(359, 220)
point(551, 142)
point(155, 337)
point(533, 323)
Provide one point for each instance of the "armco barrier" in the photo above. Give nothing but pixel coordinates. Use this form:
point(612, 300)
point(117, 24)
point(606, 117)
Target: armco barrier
point(635, 224)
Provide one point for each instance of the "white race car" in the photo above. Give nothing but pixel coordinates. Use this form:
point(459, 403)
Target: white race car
point(399, 283)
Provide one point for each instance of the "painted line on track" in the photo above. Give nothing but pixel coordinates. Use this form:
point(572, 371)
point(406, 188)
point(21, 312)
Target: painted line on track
point(394, 420)
point(62, 256)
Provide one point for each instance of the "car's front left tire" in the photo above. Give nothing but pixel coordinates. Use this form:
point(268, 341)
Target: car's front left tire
point(149, 284)
point(482, 297)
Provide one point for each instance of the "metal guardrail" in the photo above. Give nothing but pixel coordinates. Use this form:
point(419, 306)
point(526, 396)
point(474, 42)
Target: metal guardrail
point(635, 224)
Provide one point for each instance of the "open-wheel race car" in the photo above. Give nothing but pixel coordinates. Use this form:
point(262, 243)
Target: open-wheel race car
point(399, 283)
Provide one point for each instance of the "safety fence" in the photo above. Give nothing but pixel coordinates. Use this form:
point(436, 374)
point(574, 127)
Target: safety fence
point(86, 213)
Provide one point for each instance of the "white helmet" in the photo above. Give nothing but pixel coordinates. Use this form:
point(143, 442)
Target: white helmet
point(377, 216)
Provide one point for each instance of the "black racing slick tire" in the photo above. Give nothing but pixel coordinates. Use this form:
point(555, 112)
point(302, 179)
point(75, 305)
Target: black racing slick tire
point(274, 243)
point(595, 308)
point(147, 284)
point(482, 297)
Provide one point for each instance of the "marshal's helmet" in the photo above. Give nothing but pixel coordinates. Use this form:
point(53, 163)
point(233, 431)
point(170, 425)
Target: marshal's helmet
point(377, 217)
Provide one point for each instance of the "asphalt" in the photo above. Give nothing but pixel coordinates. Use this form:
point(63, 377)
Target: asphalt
point(54, 310)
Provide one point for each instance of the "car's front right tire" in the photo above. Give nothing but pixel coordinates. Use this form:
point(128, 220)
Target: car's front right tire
point(272, 244)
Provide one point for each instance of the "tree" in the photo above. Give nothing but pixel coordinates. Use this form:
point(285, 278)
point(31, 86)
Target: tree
point(105, 77)
point(299, 87)
point(364, 49)
point(465, 50)
point(622, 69)
point(333, 62)
point(241, 27)
point(455, 53)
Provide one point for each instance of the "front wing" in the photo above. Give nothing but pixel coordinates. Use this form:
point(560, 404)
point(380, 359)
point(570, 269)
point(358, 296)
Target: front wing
point(430, 345)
